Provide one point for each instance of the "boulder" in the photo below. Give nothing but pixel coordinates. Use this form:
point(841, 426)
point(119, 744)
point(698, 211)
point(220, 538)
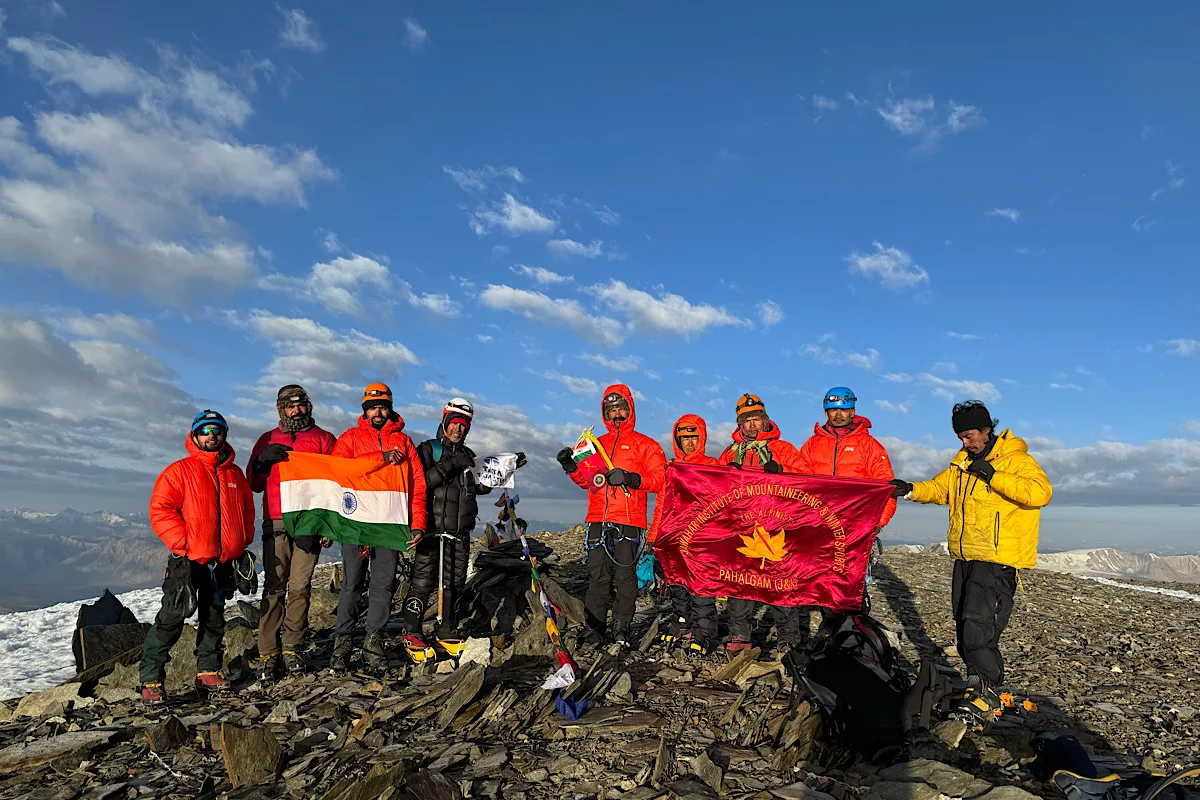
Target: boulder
point(477, 651)
point(168, 736)
point(49, 703)
point(251, 755)
point(109, 624)
point(943, 777)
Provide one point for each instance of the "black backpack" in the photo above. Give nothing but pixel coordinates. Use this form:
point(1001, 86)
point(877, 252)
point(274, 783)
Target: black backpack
point(851, 673)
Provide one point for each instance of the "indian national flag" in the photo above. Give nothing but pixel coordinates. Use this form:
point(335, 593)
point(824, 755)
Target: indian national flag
point(350, 500)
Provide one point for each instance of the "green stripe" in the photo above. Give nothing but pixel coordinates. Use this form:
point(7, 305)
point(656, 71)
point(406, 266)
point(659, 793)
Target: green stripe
point(332, 525)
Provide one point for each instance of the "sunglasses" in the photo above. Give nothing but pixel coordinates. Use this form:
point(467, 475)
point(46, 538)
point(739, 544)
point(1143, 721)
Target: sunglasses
point(210, 430)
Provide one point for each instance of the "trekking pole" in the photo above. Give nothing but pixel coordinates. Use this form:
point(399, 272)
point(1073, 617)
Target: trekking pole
point(441, 576)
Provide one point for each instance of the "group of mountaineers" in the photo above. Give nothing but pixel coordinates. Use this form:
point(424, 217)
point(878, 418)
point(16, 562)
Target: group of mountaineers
point(202, 509)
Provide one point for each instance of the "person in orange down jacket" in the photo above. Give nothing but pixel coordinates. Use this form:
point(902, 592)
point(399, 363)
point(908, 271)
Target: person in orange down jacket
point(379, 435)
point(203, 510)
point(843, 445)
point(695, 621)
point(616, 514)
point(757, 444)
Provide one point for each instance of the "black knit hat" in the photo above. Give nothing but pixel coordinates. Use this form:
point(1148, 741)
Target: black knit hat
point(971, 416)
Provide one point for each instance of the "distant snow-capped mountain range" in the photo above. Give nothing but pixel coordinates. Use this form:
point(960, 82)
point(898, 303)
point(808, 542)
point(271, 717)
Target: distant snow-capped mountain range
point(1102, 562)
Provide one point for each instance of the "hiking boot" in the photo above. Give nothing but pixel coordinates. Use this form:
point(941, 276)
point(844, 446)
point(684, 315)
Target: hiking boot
point(293, 662)
point(265, 668)
point(153, 695)
point(591, 636)
point(674, 633)
point(701, 646)
point(736, 645)
point(214, 681)
point(417, 650)
point(451, 646)
point(343, 646)
point(374, 655)
point(621, 638)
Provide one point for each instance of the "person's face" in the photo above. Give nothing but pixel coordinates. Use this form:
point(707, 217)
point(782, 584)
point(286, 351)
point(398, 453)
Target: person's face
point(210, 438)
point(455, 431)
point(617, 413)
point(839, 417)
point(297, 409)
point(377, 415)
point(689, 444)
point(752, 426)
point(974, 441)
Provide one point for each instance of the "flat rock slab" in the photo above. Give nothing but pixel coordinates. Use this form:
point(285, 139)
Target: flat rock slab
point(380, 779)
point(943, 777)
point(905, 790)
point(51, 702)
point(469, 681)
point(41, 751)
point(251, 754)
point(799, 791)
point(606, 722)
point(1008, 793)
point(477, 651)
point(168, 736)
point(690, 789)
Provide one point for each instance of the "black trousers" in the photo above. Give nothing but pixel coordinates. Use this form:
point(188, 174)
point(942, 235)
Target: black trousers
point(381, 588)
point(740, 615)
point(982, 599)
point(212, 586)
point(695, 615)
point(425, 582)
point(612, 570)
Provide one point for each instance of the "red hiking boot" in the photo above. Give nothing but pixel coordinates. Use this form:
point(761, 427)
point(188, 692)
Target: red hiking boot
point(736, 645)
point(212, 682)
point(153, 694)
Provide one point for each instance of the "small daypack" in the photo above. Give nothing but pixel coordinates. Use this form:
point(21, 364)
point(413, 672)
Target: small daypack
point(855, 679)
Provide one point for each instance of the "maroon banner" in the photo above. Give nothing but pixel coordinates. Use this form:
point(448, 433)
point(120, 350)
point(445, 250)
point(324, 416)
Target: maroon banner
point(789, 540)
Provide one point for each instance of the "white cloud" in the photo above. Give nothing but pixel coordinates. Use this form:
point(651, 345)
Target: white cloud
point(512, 216)
point(1071, 386)
point(482, 338)
point(827, 355)
point(3, 18)
point(332, 243)
point(669, 313)
point(899, 408)
point(1010, 214)
point(920, 118)
point(1174, 181)
point(822, 103)
point(299, 31)
point(653, 375)
point(543, 276)
point(1184, 347)
point(570, 247)
point(605, 214)
point(945, 366)
point(109, 326)
point(476, 180)
point(1143, 223)
point(619, 364)
point(956, 390)
point(1193, 426)
point(599, 330)
point(687, 371)
point(124, 199)
point(898, 377)
point(439, 304)
point(343, 283)
point(893, 267)
point(963, 337)
point(573, 384)
point(770, 313)
point(415, 36)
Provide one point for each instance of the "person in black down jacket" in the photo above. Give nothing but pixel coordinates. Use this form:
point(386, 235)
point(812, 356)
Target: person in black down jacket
point(452, 508)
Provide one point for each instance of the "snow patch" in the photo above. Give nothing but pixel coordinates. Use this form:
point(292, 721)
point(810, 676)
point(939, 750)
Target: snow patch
point(1182, 595)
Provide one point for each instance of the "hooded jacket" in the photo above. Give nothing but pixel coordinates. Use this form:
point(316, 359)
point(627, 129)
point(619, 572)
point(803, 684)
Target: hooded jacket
point(698, 456)
point(855, 453)
point(450, 499)
point(363, 441)
point(631, 451)
point(783, 452)
point(202, 506)
point(311, 440)
point(995, 522)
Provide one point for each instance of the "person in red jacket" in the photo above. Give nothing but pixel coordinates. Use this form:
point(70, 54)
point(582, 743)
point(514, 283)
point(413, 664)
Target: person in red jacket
point(757, 444)
point(379, 435)
point(288, 562)
point(616, 514)
point(695, 622)
point(203, 510)
point(843, 445)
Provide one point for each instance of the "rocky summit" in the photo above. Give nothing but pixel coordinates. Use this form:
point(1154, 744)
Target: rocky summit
point(1119, 669)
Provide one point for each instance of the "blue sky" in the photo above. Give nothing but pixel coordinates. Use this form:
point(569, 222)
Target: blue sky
point(523, 204)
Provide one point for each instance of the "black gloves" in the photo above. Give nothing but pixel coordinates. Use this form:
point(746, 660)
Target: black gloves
point(461, 461)
point(271, 454)
point(619, 477)
point(983, 469)
point(245, 579)
point(309, 543)
point(900, 488)
point(568, 462)
point(773, 467)
point(178, 590)
point(521, 460)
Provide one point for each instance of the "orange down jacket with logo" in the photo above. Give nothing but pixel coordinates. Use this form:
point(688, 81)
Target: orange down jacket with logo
point(697, 457)
point(363, 441)
point(202, 506)
point(632, 452)
point(854, 454)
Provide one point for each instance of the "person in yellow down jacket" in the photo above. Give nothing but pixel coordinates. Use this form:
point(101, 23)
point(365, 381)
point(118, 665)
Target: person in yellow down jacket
point(995, 491)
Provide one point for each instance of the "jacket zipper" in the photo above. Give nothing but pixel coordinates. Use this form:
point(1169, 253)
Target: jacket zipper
point(217, 478)
point(997, 530)
point(962, 503)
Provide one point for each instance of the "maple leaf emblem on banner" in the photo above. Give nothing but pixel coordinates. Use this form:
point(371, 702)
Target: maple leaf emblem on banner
point(762, 545)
